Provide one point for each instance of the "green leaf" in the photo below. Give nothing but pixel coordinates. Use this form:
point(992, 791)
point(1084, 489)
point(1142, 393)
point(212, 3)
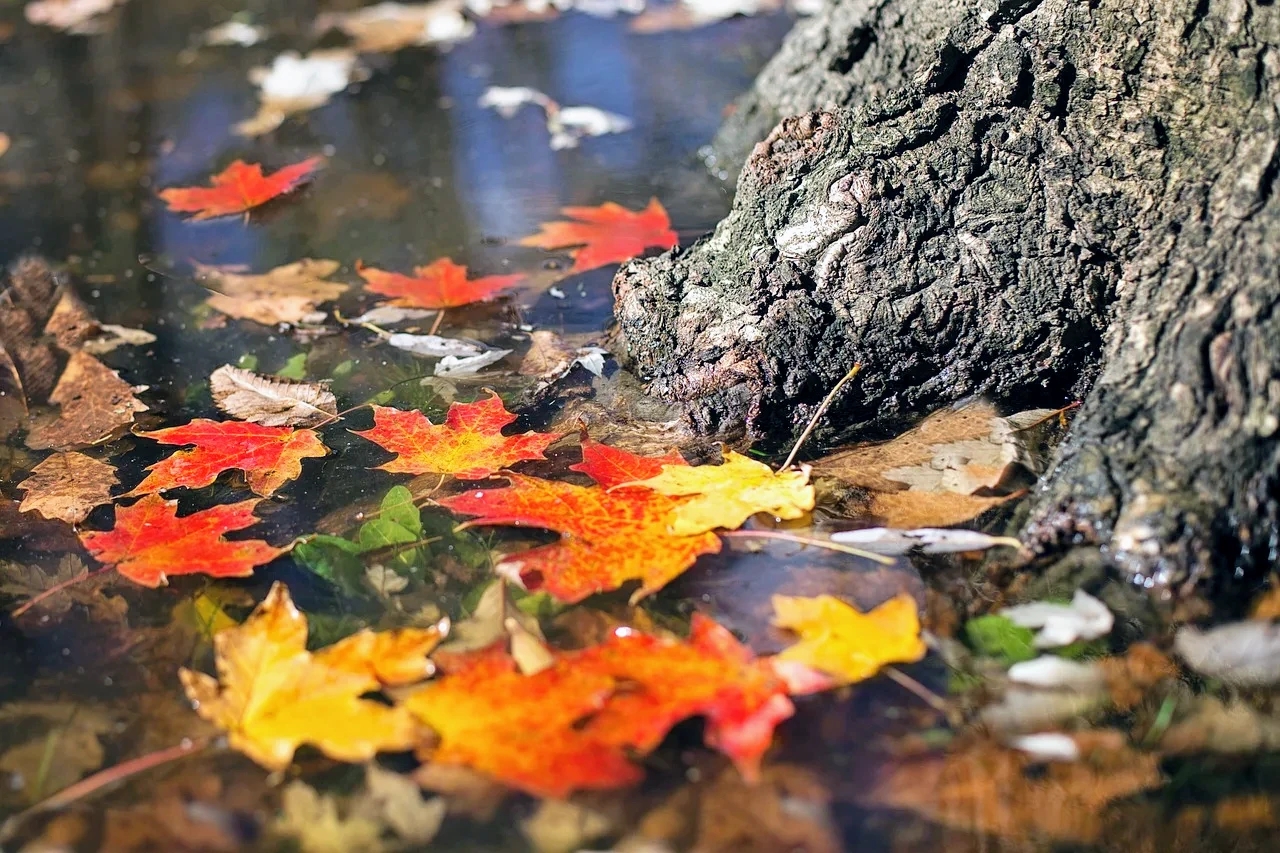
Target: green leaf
point(997, 637)
point(335, 559)
point(398, 507)
point(294, 368)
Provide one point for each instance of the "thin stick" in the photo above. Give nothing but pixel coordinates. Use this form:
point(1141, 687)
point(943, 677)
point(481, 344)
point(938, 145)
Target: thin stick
point(55, 589)
point(805, 540)
point(118, 773)
point(435, 326)
point(933, 700)
point(822, 410)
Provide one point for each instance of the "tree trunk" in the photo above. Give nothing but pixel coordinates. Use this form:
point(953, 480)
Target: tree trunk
point(1030, 199)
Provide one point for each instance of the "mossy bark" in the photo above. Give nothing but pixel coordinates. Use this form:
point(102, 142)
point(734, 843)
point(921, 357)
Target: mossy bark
point(1036, 200)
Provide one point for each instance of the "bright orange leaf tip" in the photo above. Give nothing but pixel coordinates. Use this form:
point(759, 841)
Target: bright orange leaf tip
point(469, 444)
point(149, 542)
point(238, 188)
point(440, 284)
point(611, 533)
point(851, 646)
point(272, 695)
point(608, 234)
point(269, 456)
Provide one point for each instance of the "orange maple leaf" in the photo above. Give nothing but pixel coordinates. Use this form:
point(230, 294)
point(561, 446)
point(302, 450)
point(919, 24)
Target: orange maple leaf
point(149, 542)
point(608, 234)
point(238, 188)
point(610, 535)
point(469, 444)
point(269, 456)
point(440, 284)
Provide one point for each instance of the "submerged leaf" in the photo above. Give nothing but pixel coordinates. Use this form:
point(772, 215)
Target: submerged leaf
point(286, 294)
point(238, 188)
point(842, 642)
point(96, 405)
point(270, 401)
point(608, 234)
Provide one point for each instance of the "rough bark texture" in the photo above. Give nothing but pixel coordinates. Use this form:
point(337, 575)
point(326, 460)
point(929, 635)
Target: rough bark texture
point(1031, 199)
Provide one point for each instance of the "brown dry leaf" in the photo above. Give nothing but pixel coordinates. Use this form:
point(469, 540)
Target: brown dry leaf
point(51, 744)
point(1129, 677)
point(286, 294)
point(67, 486)
point(96, 406)
point(388, 27)
point(28, 362)
point(911, 510)
point(987, 788)
point(71, 324)
point(25, 581)
point(270, 401)
point(313, 821)
point(551, 357)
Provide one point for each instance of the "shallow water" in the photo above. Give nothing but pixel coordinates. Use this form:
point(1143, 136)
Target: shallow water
point(415, 170)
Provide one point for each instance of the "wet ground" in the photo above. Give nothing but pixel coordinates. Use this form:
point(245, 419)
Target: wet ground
point(416, 169)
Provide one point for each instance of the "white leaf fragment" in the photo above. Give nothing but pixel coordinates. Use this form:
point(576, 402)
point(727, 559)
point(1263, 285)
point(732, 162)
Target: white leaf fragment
point(1085, 618)
point(930, 540)
point(388, 27)
point(567, 125)
point(113, 336)
point(452, 365)
point(79, 17)
point(1047, 746)
point(295, 84)
point(435, 346)
point(234, 33)
point(1051, 672)
point(389, 315)
point(1241, 654)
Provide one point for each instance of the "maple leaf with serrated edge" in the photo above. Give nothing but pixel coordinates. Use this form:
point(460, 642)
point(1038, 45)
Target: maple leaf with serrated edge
point(238, 188)
point(440, 284)
point(838, 640)
point(726, 495)
point(272, 695)
point(149, 542)
point(469, 444)
point(609, 536)
point(608, 234)
point(270, 456)
point(521, 729)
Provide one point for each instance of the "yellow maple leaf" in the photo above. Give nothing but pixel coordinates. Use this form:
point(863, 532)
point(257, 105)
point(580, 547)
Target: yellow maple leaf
point(272, 695)
point(727, 495)
point(838, 640)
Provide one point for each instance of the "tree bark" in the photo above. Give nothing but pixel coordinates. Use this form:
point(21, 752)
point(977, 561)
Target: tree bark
point(1030, 199)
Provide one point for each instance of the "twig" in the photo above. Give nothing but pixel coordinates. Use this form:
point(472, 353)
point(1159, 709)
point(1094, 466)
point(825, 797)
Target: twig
point(55, 589)
point(933, 700)
point(822, 410)
point(805, 540)
point(435, 326)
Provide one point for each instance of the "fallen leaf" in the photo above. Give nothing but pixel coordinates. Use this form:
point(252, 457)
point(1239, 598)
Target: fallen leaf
point(238, 189)
point(271, 401)
point(567, 125)
point(929, 540)
point(111, 337)
point(727, 495)
point(452, 365)
point(313, 821)
point(389, 315)
point(149, 542)
point(989, 789)
point(272, 695)
point(838, 640)
point(269, 456)
point(1241, 654)
point(486, 624)
point(469, 444)
point(1085, 618)
point(77, 587)
point(295, 84)
point(562, 826)
point(387, 27)
point(78, 17)
point(96, 405)
point(439, 284)
point(286, 294)
point(65, 744)
point(434, 346)
point(550, 358)
point(67, 486)
point(395, 801)
point(608, 234)
point(916, 509)
point(28, 361)
point(611, 534)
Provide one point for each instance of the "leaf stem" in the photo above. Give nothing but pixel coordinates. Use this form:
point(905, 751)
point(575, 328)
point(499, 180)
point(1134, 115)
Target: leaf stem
point(822, 410)
point(55, 589)
point(806, 540)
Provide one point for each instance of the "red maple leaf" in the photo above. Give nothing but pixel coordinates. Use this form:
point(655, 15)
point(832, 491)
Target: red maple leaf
point(610, 536)
point(469, 444)
point(238, 188)
point(149, 542)
point(440, 284)
point(269, 456)
point(608, 234)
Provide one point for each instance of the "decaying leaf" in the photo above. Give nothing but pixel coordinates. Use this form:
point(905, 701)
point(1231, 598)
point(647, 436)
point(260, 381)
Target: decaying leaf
point(272, 695)
point(64, 744)
point(608, 234)
point(550, 358)
point(238, 189)
point(28, 361)
point(434, 346)
point(67, 486)
point(387, 27)
point(269, 456)
point(838, 640)
point(286, 294)
point(727, 495)
point(611, 534)
point(313, 821)
point(395, 801)
point(1085, 618)
point(149, 542)
point(930, 540)
point(469, 444)
point(270, 401)
point(1242, 654)
point(991, 789)
point(567, 125)
point(295, 84)
point(96, 405)
point(439, 284)
point(453, 365)
point(111, 337)
point(76, 589)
